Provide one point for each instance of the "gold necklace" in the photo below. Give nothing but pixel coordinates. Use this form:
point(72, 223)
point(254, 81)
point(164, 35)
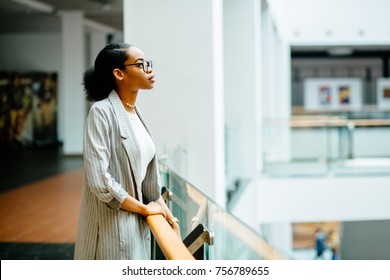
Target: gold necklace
point(128, 104)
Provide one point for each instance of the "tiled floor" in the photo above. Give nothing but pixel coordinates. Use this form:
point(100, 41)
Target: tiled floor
point(39, 204)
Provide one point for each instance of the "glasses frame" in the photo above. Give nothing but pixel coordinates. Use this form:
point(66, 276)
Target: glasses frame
point(146, 63)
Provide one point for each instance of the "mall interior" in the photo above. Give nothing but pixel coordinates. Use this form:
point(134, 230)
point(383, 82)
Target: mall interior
point(271, 120)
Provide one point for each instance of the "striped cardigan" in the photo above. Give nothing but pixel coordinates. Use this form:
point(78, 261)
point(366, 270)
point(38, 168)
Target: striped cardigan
point(111, 172)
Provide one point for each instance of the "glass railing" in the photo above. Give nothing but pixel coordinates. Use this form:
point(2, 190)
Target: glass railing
point(316, 145)
point(231, 239)
point(174, 154)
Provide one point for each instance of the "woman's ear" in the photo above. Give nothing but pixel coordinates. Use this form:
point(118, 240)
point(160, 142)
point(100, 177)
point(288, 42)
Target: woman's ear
point(118, 74)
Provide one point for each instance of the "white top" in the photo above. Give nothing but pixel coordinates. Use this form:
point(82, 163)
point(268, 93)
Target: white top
point(145, 142)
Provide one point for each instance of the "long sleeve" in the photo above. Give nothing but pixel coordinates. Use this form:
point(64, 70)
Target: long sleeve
point(97, 147)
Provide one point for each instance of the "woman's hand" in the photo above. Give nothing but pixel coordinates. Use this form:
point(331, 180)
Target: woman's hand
point(153, 208)
point(176, 229)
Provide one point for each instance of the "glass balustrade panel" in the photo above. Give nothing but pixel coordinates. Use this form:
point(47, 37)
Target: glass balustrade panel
point(232, 239)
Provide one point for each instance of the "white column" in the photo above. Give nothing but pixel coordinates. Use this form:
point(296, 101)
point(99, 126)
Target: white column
point(97, 41)
point(242, 27)
point(276, 92)
point(184, 40)
point(285, 99)
point(72, 98)
point(267, 45)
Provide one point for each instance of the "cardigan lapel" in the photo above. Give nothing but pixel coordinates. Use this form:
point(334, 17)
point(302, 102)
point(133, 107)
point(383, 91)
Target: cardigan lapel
point(129, 139)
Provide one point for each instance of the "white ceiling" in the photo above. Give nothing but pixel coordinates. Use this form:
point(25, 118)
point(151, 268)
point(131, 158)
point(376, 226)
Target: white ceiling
point(18, 17)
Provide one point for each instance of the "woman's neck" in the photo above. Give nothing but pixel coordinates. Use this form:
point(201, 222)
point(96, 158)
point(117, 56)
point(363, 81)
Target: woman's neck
point(128, 99)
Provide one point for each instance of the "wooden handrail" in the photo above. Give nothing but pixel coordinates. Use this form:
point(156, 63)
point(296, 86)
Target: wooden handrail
point(365, 108)
point(327, 122)
point(340, 123)
point(170, 244)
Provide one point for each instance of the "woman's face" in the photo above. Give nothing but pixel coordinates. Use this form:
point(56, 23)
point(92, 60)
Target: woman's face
point(137, 74)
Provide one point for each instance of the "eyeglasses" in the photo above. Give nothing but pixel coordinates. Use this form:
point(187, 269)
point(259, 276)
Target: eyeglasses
point(146, 64)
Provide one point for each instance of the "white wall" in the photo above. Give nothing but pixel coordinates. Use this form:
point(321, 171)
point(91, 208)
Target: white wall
point(30, 52)
point(184, 40)
point(270, 205)
point(323, 199)
point(333, 21)
point(242, 50)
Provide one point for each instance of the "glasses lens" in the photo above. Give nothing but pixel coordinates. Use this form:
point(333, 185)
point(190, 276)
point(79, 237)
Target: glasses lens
point(148, 64)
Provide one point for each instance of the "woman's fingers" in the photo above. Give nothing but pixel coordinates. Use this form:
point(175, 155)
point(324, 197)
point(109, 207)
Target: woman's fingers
point(155, 208)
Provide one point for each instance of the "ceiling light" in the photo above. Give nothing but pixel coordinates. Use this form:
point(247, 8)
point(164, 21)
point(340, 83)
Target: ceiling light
point(106, 7)
point(36, 5)
point(340, 51)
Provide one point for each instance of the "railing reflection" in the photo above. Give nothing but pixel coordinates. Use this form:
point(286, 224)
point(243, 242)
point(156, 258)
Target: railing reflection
point(231, 239)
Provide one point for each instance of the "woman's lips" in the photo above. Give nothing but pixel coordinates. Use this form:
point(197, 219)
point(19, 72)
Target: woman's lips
point(152, 79)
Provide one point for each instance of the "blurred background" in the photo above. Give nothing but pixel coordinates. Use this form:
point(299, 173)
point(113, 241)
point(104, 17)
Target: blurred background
point(278, 111)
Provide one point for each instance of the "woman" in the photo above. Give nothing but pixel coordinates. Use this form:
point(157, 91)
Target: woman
point(121, 179)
